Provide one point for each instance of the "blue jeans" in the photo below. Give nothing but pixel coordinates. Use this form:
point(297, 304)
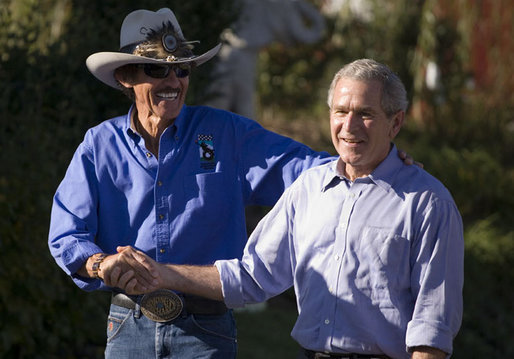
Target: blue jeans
point(132, 335)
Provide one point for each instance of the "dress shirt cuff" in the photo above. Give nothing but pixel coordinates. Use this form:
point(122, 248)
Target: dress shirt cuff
point(74, 257)
point(431, 334)
point(230, 277)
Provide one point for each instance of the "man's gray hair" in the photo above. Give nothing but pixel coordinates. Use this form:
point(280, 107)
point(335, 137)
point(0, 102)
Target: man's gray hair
point(394, 95)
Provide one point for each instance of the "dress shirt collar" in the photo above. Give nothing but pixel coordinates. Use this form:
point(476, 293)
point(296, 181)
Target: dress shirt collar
point(333, 175)
point(386, 171)
point(130, 127)
point(382, 176)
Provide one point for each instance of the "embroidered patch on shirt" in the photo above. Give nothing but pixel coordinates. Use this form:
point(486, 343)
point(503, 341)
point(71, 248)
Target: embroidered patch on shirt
point(207, 159)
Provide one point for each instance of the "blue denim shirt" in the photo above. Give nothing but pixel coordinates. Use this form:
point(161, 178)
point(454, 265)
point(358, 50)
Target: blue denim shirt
point(187, 205)
point(377, 264)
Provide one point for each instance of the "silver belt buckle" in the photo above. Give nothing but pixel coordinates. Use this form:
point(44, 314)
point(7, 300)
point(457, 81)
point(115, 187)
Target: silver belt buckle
point(161, 306)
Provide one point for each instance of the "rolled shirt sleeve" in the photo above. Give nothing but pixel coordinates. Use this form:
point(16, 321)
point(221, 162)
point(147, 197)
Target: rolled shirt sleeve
point(230, 277)
point(266, 267)
point(437, 279)
point(74, 220)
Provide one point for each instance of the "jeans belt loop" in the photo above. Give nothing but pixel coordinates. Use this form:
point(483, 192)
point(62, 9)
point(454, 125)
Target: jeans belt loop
point(137, 309)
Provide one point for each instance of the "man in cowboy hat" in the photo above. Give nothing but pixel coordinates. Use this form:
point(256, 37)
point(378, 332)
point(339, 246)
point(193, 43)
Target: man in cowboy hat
point(170, 180)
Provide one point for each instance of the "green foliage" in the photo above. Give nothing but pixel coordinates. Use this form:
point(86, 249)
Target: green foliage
point(302, 74)
point(471, 151)
point(487, 324)
point(266, 333)
point(478, 180)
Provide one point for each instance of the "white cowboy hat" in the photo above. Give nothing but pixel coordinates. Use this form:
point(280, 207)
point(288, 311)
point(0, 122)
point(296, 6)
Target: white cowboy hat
point(146, 37)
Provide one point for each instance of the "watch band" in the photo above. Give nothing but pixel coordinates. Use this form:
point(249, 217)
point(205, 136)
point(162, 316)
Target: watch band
point(96, 265)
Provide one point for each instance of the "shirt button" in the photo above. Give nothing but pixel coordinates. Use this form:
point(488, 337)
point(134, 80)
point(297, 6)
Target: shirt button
point(159, 183)
point(176, 138)
point(161, 217)
point(162, 250)
point(337, 257)
point(327, 321)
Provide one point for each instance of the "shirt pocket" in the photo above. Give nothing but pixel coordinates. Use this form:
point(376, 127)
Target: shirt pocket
point(384, 259)
point(199, 184)
point(207, 196)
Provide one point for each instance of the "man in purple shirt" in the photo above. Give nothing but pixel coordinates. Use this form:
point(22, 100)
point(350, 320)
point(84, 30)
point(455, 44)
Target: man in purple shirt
point(373, 248)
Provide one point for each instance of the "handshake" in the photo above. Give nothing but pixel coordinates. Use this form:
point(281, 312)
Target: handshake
point(134, 273)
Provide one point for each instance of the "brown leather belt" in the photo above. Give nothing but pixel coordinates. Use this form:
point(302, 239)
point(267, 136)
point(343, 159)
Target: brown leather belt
point(192, 304)
point(319, 355)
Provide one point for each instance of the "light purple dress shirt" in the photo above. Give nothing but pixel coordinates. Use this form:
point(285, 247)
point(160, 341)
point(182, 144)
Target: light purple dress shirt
point(376, 264)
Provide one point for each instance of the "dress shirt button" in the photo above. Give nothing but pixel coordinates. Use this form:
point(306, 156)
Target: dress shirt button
point(161, 217)
point(159, 183)
point(337, 257)
point(162, 250)
point(327, 321)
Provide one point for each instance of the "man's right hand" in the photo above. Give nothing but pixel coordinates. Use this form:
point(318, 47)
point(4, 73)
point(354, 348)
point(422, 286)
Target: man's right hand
point(128, 270)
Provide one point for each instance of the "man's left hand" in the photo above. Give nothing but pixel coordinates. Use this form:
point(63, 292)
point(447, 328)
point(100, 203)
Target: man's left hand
point(407, 159)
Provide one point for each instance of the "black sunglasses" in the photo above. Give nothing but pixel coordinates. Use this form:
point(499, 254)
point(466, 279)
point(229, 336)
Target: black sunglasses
point(158, 71)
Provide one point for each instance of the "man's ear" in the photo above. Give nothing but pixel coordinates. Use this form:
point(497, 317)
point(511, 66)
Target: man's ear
point(396, 124)
point(122, 79)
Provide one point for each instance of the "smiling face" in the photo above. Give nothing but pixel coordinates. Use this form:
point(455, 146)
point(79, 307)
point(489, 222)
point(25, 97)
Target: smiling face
point(158, 98)
point(161, 98)
point(361, 131)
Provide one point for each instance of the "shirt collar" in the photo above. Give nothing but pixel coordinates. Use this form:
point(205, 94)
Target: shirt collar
point(131, 129)
point(382, 176)
point(180, 121)
point(129, 126)
point(333, 175)
point(386, 171)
